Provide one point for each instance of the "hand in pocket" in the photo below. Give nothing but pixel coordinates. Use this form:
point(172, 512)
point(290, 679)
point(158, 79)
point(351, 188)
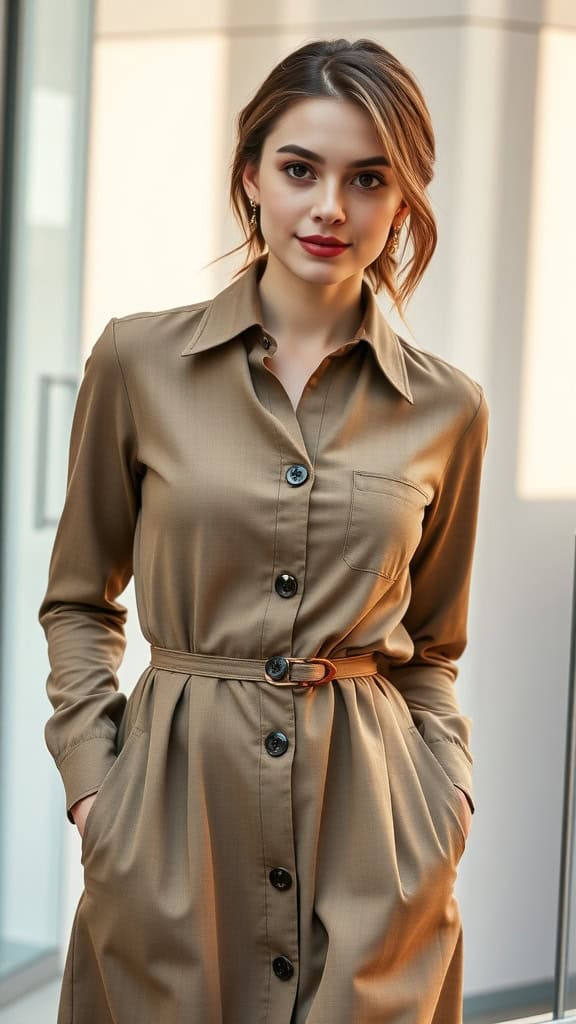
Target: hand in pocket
point(467, 810)
point(80, 809)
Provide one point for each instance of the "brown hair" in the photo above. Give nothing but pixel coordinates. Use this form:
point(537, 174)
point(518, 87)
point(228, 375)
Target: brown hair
point(370, 76)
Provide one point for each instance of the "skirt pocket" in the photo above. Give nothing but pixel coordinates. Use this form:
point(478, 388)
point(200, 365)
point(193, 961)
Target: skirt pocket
point(92, 829)
point(439, 791)
point(443, 796)
point(128, 733)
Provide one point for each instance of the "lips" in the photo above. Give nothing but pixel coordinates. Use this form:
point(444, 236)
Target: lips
point(324, 240)
point(326, 249)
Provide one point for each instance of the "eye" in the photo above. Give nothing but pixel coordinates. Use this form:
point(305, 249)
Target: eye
point(376, 177)
point(288, 167)
point(364, 174)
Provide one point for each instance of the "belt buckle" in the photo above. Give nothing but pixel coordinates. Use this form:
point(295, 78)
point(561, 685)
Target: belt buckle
point(329, 672)
point(305, 684)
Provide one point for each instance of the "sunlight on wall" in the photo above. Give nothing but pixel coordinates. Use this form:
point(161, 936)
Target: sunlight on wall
point(547, 455)
point(156, 158)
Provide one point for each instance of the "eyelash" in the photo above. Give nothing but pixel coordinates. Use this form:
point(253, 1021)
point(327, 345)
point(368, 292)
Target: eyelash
point(360, 174)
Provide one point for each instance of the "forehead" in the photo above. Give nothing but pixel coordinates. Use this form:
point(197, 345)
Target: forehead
point(335, 127)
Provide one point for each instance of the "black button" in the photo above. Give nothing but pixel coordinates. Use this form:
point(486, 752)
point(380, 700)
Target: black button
point(286, 585)
point(266, 342)
point(281, 878)
point(276, 667)
point(283, 967)
point(276, 743)
point(296, 474)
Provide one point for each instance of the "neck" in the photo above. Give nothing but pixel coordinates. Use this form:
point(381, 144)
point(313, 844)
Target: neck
point(305, 314)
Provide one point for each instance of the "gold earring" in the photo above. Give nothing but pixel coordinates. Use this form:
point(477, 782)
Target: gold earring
point(393, 243)
point(253, 217)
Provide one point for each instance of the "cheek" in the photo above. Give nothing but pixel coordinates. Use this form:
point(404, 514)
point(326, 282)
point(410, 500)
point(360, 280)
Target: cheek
point(371, 231)
point(374, 217)
point(282, 203)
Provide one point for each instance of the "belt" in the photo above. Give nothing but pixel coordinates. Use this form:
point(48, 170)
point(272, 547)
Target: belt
point(302, 673)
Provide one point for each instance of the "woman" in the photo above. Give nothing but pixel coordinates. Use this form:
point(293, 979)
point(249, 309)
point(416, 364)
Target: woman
point(272, 821)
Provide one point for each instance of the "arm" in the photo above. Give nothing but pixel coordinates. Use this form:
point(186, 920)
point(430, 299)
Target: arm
point(436, 618)
point(91, 564)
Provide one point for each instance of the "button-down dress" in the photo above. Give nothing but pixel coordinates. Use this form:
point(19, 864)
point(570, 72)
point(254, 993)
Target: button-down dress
point(256, 854)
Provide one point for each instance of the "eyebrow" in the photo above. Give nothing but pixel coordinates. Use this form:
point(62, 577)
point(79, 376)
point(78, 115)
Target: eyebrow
point(300, 151)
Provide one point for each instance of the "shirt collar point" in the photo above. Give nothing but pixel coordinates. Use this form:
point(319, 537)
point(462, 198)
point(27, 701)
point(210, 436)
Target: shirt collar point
point(236, 307)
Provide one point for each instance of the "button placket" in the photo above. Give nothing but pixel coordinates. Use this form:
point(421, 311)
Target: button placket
point(277, 703)
point(279, 854)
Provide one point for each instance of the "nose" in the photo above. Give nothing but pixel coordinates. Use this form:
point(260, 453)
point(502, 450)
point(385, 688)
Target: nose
point(328, 204)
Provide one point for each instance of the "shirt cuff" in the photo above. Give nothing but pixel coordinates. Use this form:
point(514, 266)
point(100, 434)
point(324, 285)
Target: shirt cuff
point(83, 768)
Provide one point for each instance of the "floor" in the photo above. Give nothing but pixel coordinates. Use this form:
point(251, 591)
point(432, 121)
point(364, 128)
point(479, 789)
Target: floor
point(39, 1007)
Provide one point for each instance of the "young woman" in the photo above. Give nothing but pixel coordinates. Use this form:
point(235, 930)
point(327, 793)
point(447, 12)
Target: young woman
point(273, 819)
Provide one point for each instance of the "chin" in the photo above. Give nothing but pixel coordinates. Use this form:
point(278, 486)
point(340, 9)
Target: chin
point(296, 261)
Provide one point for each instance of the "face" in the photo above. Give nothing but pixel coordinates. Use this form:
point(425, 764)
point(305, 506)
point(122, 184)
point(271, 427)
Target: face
point(320, 193)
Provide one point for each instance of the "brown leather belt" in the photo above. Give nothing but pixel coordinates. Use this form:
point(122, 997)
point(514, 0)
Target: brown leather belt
point(278, 670)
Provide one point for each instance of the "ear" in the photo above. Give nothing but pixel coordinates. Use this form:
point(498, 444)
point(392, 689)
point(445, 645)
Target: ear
point(402, 213)
point(400, 216)
point(250, 176)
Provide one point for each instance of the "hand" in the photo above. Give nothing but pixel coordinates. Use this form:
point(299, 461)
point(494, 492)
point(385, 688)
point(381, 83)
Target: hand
point(467, 810)
point(79, 811)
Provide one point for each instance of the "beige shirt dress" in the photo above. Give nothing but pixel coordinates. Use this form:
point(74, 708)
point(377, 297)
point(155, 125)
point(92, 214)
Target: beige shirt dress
point(272, 842)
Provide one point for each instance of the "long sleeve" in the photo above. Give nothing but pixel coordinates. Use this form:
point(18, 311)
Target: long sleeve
point(436, 618)
point(90, 565)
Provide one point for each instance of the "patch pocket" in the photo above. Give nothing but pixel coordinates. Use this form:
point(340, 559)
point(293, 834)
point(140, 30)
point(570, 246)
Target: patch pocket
point(384, 523)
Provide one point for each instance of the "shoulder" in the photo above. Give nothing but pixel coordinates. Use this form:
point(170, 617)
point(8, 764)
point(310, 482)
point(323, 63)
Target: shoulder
point(148, 333)
point(161, 316)
point(440, 384)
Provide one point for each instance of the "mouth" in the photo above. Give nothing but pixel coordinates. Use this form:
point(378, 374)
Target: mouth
point(323, 247)
point(328, 240)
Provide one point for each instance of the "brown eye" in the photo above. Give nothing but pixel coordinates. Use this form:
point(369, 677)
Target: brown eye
point(364, 174)
point(289, 166)
point(376, 178)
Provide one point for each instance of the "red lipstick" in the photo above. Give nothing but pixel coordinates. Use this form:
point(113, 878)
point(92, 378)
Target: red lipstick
point(323, 245)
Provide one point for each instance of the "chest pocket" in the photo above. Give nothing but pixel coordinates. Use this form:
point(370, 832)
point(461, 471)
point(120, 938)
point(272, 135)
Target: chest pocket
point(384, 523)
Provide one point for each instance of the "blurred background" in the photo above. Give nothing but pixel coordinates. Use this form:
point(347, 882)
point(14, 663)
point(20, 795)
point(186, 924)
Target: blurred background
point(116, 135)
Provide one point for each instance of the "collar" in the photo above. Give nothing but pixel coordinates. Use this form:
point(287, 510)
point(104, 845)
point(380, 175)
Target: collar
point(237, 307)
